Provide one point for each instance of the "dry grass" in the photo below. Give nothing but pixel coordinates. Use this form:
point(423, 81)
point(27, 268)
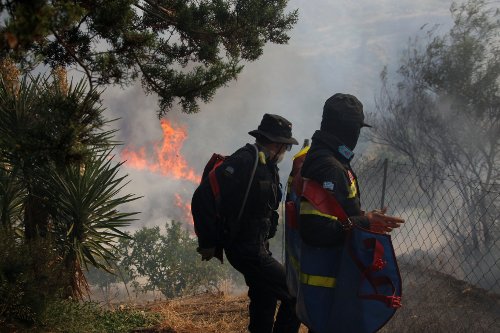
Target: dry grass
point(206, 313)
point(432, 302)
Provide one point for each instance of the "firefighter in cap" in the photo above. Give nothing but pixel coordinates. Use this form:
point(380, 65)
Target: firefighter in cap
point(328, 163)
point(250, 194)
point(318, 262)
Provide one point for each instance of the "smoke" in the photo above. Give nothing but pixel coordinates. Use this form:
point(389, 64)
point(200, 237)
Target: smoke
point(337, 46)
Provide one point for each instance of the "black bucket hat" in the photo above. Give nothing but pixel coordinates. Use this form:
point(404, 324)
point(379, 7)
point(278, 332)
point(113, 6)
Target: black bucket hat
point(342, 109)
point(276, 129)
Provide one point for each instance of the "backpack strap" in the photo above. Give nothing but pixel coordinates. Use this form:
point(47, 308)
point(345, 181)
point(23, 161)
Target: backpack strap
point(323, 201)
point(249, 181)
point(214, 185)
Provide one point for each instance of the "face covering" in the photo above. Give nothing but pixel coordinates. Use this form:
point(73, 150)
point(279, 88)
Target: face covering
point(277, 156)
point(280, 158)
point(348, 134)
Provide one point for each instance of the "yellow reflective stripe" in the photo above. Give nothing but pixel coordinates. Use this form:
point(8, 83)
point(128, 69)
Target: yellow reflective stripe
point(353, 190)
point(317, 280)
point(307, 209)
point(312, 280)
point(262, 157)
point(303, 151)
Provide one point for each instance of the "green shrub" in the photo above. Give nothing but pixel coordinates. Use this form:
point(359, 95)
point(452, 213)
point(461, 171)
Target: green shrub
point(125, 320)
point(23, 291)
point(77, 317)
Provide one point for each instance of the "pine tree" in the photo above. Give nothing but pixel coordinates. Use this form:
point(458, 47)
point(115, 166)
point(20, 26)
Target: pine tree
point(182, 50)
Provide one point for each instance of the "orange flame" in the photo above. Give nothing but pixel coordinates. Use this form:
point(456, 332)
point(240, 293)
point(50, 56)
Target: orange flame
point(185, 207)
point(166, 158)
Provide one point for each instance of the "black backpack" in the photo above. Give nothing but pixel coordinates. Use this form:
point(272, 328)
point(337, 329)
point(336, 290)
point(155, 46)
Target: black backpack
point(209, 223)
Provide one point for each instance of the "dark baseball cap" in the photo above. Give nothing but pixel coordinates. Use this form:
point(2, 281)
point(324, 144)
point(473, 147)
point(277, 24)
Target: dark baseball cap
point(275, 128)
point(342, 109)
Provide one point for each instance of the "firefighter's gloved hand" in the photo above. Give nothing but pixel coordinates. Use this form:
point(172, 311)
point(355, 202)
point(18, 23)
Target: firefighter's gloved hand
point(274, 224)
point(206, 253)
point(381, 223)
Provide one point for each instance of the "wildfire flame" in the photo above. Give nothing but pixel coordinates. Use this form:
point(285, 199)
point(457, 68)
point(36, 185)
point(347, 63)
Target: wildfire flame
point(164, 158)
point(185, 207)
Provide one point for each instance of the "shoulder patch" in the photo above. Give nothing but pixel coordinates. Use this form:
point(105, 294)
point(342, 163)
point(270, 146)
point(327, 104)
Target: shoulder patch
point(229, 170)
point(328, 185)
point(346, 152)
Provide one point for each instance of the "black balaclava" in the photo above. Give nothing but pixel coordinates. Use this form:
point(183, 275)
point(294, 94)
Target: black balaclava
point(343, 117)
point(347, 133)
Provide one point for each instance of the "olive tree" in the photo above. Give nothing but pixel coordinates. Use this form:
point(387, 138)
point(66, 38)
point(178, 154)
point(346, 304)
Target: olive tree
point(169, 261)
point(443, 115)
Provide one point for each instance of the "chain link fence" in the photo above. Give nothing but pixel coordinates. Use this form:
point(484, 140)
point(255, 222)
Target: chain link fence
point(448, 249)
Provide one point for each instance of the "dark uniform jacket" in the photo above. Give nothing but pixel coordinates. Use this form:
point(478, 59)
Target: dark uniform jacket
point(259, 219)
point(331, 169)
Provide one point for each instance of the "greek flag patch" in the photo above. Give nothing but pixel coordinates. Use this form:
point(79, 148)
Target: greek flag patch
point(328, 186)
point(346, 152)
point(229, 169)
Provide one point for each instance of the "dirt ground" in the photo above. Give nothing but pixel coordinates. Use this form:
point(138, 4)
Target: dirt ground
point(436, 302)
point(432, 302)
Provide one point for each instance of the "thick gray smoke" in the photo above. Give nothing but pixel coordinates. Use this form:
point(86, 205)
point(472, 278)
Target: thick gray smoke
point(337, 46)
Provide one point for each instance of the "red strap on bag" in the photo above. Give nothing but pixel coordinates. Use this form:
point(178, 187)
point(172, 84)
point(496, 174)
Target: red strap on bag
point(326, 203)
point(214, 184)
point(215, 161)
point(378, 264)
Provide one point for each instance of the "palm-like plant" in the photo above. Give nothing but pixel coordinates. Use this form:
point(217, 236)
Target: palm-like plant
point(12, 196)
point(82, 202)
point(57, 180)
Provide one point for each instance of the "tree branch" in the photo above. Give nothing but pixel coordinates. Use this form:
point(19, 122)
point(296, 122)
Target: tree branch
point(75, 57)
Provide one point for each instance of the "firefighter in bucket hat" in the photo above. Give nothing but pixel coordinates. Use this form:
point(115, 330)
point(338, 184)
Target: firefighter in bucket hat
point(250, 193)
point(340, 262)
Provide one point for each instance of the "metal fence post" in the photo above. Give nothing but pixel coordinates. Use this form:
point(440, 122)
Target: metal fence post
point(384, 183)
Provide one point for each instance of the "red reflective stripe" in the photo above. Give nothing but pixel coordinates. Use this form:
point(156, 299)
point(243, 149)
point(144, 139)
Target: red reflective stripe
point(322, 200)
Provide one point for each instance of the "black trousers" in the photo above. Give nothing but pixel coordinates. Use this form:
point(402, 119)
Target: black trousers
point(266, 281)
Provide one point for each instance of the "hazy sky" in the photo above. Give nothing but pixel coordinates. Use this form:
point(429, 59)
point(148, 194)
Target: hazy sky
point(337, 46)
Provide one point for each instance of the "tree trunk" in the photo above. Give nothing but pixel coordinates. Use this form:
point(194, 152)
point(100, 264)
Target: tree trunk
point(35, 218)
